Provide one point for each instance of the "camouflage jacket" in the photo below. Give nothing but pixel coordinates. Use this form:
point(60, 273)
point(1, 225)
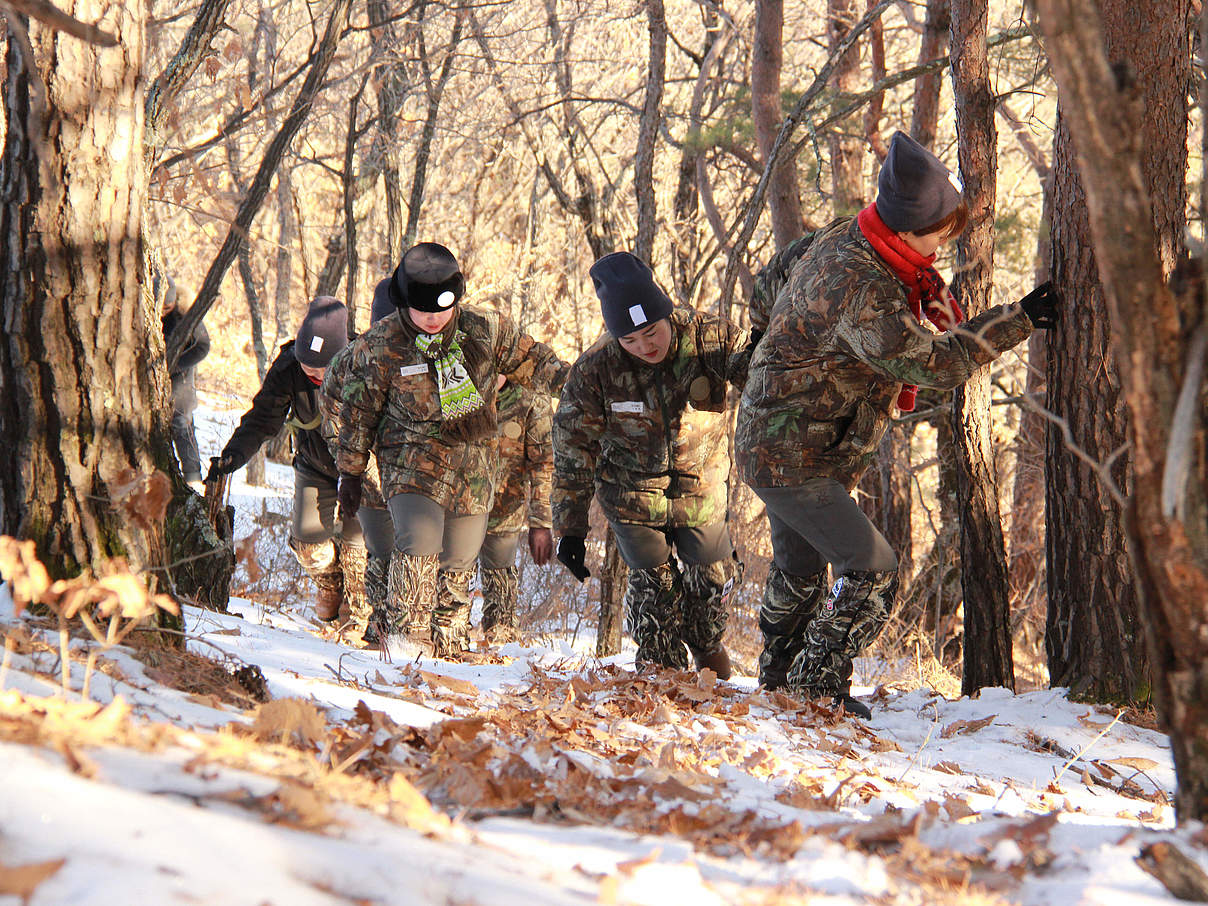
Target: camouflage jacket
point(824, 380)
point(330, 405)
point(650, 440)
point(525, 465)
point(389, 404)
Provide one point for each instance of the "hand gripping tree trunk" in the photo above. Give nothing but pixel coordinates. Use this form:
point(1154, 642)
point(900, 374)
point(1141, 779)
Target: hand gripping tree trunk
point(80, 411)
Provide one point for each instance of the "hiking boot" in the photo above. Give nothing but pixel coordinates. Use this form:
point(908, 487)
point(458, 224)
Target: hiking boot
point(708, 590)
point(717, 660)
point(500, 592)
point(410, 595)
point(321, 561)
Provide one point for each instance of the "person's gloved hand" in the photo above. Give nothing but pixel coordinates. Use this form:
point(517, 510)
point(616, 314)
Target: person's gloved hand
point(572, 552)
point(348, 493)
point(541, 545)
point(1043, 305)
point(222, 465)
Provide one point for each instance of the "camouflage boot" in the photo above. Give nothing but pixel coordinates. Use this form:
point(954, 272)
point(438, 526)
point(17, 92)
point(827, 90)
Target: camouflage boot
point(789, 603)
point(321, 561)
point(376, 569)
point(410, 594)
point(500, 592)
point(353, 561)
point(707, 592)
point(450, 623)
point(856, 611)
point(654, 611)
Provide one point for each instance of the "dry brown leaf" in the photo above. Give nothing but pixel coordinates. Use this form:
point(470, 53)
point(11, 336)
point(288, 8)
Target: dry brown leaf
point(957, 808)
point(213, 66)
point(298, 806)
point(20, 567)
point(966, 726)
point(1138, 763)
point(233, 49)
point(437, 681)
point(292, 721)
point(245, 553)
point(948, 767)
point(141, 497)
point(22, 880)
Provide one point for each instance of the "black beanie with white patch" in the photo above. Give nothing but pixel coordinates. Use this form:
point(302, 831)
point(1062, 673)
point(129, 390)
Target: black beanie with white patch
point(914, 188)
point(629, 298)
point(323, 333)
point(427, 279)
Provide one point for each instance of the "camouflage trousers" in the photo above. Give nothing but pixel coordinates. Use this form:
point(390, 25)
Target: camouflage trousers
point(321, 561)
point(500, 593)
point(450, 625)
point(376, 570)
point(406, 609)
point(654, 613)
point(354, 566)
point(854, 614)
point(708, 588)
point(789, 604)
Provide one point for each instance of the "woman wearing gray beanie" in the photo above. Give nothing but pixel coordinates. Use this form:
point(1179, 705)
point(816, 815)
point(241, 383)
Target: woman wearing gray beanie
point(860, 320)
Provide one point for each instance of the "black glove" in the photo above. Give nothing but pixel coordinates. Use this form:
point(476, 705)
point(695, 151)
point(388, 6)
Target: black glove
point(572, 551)
point(222, 465)
point(348, 493)
point(1043, 305)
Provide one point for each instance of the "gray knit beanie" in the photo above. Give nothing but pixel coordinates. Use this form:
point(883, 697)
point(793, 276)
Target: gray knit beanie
point(323, 333)
point(629, 297)
point(914, 189)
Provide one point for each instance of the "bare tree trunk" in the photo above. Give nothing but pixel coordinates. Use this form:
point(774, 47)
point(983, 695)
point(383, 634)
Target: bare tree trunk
point(1094, 634)
point(847, 191)
point(392, 87)
point(988, 660)
point(1113, 116)
point(925, 121)
point(81, 413)
point(237, 234)
point(767, 60)
point(648, 130)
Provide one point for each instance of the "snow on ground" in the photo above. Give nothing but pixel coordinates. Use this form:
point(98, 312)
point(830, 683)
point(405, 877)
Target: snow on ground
point(553, 778)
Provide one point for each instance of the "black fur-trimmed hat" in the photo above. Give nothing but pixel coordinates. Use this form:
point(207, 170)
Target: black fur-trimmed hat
point(323, 333)
point(427, 279)
point(629, 297)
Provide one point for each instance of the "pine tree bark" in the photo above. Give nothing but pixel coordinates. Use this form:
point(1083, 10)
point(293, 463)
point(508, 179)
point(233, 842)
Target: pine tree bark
point(1158, 340)
point(648, 130)
point(767, 59)
point(988, 660)
point(926, 116)
point(80, 410)
point(847, 189)
point(1093, 634)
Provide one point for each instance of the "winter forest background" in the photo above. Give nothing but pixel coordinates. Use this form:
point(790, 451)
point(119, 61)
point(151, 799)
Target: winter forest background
point(1050, 516)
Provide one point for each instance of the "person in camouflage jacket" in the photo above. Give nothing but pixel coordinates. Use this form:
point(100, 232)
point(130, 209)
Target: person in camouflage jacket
point(844, 347)
point(331, 550)
point(642, 425)
point(420, 391)
point(524, 472)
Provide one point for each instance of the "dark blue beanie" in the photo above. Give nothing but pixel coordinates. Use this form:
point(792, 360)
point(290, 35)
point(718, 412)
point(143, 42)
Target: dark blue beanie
point(323, 333)
point(629, 297)
point(914, 189)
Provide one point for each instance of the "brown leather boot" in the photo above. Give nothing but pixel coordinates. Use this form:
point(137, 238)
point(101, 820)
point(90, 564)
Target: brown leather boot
point(718, 661)
point(331, 595)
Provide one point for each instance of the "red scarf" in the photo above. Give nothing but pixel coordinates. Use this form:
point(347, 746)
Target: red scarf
point(928, 294)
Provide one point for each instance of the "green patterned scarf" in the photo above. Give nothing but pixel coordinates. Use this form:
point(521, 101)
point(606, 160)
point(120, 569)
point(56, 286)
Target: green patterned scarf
point(459, 398)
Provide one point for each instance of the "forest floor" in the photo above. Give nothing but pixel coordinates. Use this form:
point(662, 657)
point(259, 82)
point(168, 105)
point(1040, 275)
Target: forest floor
point(536, 773)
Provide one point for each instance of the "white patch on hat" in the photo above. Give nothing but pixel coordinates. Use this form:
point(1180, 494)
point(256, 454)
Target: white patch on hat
point(316, 344)
point(956, 181)
point(445, 299)
point(637, 314)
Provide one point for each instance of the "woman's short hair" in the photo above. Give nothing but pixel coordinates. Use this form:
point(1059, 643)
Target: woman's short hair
point(951, 225)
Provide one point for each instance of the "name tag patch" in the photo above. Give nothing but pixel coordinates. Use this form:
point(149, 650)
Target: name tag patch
point(408, 370)
point(629, 408)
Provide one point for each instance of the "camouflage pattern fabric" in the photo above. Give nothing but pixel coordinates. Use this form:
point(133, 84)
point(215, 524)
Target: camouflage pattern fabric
point(318, 558)
point(824, 381)
point(500, 592)
point(654, 611)
point(451, 617)
point(708, 590)
point(771, 280)
point(330, 407)
point(525, 463)
point(376, 569)
point(353, 562)
point(789, 604)
point(651, 441)
point(410, 597)
point(389, 403)
point(854, 614)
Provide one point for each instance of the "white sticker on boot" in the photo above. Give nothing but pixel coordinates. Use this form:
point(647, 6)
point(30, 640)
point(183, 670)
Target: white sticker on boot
point(637, 314)
point(316, 344)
